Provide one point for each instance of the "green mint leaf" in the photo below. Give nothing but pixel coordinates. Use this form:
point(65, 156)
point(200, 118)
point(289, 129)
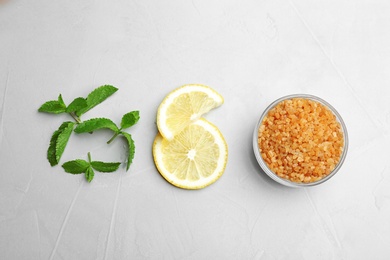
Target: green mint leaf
point(104, 166)
point(75, 167)
point(131, 151)
point(51, 151)
point(53, 106)
point(96, 97)
point(62, 140)
point(77, 104)
point(129, 119)
point(61, 101)
point(95, 124)
point(89, 173)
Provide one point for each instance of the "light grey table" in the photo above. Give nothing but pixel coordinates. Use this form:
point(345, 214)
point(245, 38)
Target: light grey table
point(251, 52)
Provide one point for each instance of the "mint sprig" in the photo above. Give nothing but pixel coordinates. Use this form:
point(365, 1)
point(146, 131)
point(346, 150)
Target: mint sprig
point(79, 105)
point(127, 121)
point(79, 166)
point(75, 109)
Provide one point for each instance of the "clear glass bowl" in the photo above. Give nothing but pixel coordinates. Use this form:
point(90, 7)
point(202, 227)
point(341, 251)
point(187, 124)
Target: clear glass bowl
point(264, 165)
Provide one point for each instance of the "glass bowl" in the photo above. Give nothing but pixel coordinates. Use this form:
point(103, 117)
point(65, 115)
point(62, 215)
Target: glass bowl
point(264, 165)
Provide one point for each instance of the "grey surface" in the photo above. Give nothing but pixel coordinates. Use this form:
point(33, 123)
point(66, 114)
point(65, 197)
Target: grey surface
point(251, 52)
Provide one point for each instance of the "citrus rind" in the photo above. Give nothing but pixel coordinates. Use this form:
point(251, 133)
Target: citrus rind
point(179, 179)
point(188, 112)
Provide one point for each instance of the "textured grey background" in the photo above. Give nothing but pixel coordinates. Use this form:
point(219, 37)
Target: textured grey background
point(251, 52)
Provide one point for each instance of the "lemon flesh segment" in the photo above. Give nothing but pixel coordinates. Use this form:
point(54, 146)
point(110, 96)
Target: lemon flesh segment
point(193, 159)
point(183, 106)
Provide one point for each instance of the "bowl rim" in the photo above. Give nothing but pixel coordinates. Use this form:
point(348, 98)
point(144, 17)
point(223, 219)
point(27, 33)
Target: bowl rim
point(265, 167)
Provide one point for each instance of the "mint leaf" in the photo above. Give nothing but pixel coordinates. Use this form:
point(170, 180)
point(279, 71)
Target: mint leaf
point(62, 140)
point(76, 166)
point(131, 151)
point(96, 97)
point(61, 101)
point(77, 104)
point(51, 151)
point(105, 167)
point(95, 124)
point(89, 173)
point(53, 106)
point(129, 119)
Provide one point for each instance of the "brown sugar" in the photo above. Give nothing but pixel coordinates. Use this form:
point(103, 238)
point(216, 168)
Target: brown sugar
point(301, 140)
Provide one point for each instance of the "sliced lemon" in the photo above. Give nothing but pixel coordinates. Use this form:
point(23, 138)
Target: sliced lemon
point(193, 159)
point(183, 106)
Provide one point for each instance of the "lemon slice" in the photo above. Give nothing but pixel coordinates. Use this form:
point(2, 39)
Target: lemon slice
point(193, 159)
point(183, 106)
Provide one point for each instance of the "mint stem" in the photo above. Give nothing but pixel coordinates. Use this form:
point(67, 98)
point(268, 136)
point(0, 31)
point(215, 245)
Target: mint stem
point(112, 138)
point(89, 157)
point(75, 117)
